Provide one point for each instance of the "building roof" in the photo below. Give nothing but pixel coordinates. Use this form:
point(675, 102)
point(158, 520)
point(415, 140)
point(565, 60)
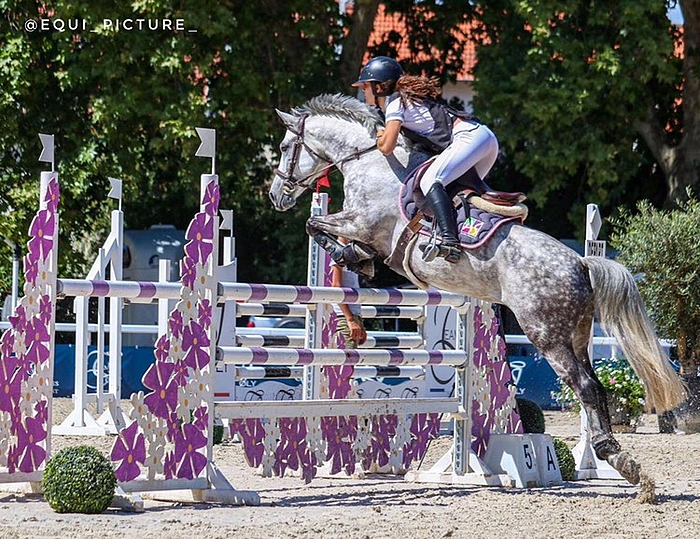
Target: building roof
point(384, 23)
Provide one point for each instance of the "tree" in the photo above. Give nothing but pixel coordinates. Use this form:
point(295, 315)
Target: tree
point(662, 246)
point(434, 37)
point(124, 103)
point(590, 101)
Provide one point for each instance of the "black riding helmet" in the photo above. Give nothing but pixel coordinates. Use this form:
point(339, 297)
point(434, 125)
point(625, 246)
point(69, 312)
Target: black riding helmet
point(380, 69)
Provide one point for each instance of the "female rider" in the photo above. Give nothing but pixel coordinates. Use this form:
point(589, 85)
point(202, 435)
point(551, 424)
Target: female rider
point(411, 107)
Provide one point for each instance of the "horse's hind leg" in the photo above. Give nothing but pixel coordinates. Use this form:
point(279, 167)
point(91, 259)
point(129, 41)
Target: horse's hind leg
point(572, 364)
point(604, 444)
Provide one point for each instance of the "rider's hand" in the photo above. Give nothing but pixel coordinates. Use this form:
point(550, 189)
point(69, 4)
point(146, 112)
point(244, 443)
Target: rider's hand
point(357, 332)
point(380, 136)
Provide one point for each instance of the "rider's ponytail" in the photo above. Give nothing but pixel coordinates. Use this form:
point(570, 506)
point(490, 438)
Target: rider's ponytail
point(413, 88)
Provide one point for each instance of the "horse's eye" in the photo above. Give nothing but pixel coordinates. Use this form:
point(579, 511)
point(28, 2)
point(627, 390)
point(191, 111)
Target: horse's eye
point(284, 148)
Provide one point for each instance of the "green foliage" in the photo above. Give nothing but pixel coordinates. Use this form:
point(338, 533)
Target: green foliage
point(562, 85)
point(663, 246)
point(124, 104)
point(625, 391)
point(565, 458)
point(218, 434)
point(531, 415)
point(79, 480)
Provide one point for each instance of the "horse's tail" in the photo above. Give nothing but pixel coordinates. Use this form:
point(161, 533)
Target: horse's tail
point(621, 311)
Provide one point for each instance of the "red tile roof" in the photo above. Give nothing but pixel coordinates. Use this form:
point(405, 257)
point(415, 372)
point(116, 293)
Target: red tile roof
point(384, 23)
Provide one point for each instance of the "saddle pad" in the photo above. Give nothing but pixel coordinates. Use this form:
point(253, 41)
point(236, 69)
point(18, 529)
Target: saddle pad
point(475, 226)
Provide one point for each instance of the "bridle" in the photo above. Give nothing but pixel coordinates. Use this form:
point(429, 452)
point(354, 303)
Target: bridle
point(290, 182)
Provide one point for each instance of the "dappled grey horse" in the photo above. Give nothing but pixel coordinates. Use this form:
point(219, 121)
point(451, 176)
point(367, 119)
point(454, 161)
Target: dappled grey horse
point(552, 291)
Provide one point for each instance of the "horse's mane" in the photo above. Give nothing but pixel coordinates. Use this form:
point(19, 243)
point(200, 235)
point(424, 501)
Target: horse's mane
point(343, 107)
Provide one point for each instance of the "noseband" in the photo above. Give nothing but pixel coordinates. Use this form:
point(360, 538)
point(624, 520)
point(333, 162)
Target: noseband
point(290, 182)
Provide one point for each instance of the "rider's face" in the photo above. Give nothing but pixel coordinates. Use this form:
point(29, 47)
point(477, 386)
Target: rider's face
point(369, 95)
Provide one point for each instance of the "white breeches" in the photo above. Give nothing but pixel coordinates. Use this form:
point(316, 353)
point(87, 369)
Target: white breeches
point(473, 145)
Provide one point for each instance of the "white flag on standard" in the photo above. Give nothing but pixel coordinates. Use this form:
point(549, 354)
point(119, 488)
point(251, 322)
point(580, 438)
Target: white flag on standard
point(46, 149)
point(208, 146)
point(116, 189)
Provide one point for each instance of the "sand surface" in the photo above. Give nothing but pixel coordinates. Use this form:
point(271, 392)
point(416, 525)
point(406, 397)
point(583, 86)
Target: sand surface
point(390, 507)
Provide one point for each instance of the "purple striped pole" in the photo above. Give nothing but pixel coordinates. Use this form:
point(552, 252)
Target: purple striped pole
point(360, 371)
point(117, 289)
point(291, 309)
point(320, 294)
point(319, 356)
point(375, 339)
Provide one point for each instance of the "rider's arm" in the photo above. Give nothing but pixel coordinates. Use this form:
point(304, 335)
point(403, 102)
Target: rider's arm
point(357, 331)
point(387, 138)
point(337, 280)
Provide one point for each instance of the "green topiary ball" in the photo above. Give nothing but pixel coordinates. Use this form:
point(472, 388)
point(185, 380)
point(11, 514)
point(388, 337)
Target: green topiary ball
point(531, 415)
point(567, 463)
point(79, 480)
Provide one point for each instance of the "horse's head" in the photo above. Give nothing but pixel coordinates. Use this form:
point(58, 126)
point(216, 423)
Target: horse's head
point(310, 148)
point(300, 163)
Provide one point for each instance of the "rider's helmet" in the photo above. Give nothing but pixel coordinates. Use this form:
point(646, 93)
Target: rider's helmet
point(380, 69)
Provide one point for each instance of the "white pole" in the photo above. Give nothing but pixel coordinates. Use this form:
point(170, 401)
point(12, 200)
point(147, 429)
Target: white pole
point(588, 466)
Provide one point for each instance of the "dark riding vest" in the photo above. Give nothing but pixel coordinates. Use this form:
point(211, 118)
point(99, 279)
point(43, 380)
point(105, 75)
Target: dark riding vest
point(440, 137)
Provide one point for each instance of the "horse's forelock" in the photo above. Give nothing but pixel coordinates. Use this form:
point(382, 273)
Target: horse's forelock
point(343, 107)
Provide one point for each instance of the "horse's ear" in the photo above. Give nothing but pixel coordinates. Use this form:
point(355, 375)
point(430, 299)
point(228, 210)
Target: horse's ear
point(287, 119)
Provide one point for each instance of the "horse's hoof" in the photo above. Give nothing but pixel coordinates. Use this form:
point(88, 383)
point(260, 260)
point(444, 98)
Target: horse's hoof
point(627, 466)
point(322, 239)
point(647, 492)
point(364, 267)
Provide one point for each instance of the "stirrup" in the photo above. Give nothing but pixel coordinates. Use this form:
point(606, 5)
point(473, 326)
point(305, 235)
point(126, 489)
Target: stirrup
point(451, 253)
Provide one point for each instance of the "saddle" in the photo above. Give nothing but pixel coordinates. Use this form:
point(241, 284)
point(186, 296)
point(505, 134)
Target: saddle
point(480, 212)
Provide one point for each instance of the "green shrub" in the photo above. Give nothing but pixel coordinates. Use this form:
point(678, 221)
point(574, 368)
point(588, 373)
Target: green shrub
point(662, 247)
point(218, 435)
point(79, 480)
point(531, 415)
point(565, 458)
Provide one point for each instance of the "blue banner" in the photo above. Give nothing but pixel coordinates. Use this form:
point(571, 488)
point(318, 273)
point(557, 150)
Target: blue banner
point(135, 361)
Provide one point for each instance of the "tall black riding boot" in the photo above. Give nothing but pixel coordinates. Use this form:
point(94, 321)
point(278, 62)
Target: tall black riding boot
point(446, 218)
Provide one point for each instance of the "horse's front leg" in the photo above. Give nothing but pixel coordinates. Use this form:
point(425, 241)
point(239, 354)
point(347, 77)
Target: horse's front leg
point(355, 253)
point(347, 224)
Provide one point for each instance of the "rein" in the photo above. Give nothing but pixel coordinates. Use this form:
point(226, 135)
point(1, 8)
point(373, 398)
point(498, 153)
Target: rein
point(290, 182)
